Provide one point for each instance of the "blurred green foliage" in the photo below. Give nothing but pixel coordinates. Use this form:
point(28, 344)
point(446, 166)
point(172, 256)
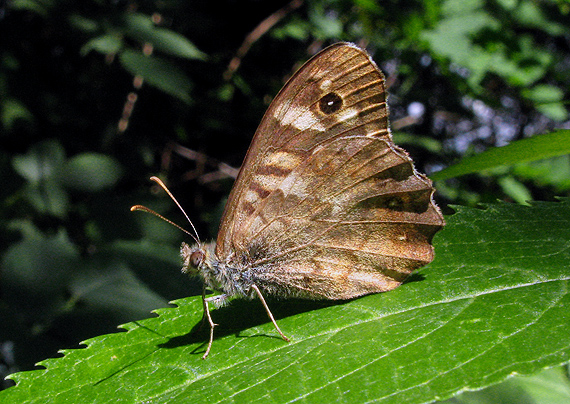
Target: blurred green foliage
point(97, 96)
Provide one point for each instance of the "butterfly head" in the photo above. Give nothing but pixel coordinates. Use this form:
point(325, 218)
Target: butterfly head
point(193, 258)
point(197, 259)
point(201, 260)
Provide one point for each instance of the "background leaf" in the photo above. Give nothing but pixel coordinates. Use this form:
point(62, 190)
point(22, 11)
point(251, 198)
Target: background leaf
point(495, 302)
point(526, 150)
point(549, 386)
point(141, 28)
point(158, 72)
point(91, 172)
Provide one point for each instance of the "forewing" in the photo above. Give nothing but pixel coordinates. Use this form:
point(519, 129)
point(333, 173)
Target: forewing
point(294, 125)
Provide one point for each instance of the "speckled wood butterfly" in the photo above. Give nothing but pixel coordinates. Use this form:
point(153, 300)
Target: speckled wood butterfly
point(325, 205)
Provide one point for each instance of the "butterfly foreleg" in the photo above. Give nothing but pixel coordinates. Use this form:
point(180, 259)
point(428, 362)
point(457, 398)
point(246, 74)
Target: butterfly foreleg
point(258, 292)
point(218, 300)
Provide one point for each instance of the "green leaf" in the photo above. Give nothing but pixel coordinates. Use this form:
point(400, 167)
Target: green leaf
point(532, 149)
point(325, 25)
point(91, 172)
point(543, 93)
point(550, 386)
point(428, 143)
point(555, 111)
point(468, 36)
point(141, 28)
point(494, 303)
point(48, 197)
point(528, 13)
point(37, 268)
point(40, 7)
point(115, 288)
point(12, 111)
point(43, 161)
point(85, 24)
point(105, 44)
point(41, 167)
point(549, 100)
point(453, 36)
point(294, 28)
point(514, 189)
point(553, 172)
point(158, 72)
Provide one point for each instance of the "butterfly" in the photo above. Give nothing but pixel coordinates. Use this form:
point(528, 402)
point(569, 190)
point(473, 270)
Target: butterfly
point(325, 206)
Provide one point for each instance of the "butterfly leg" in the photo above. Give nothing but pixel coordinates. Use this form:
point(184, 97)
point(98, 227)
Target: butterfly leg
point(207, 316)
point(258, 292)
point(204, 316)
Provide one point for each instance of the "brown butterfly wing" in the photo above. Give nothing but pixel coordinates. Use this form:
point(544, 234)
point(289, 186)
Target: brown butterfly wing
point(279, 145)
point(326, 206)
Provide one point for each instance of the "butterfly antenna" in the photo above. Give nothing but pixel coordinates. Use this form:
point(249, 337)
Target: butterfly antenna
point(148, 210)
point(165, 188)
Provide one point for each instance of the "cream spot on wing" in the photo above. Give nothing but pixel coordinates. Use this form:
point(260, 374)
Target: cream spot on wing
point(347, 114)
point(282, 160)
point(300, 119)
point(251, 196)
point(325, 85)
point(290, 186)
point(267, 182)
point(338, 205)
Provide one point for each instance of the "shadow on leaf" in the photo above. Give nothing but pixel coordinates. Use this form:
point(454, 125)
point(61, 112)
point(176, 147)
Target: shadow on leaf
point(242, 315)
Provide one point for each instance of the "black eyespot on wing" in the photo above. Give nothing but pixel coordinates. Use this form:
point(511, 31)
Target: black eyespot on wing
point(330, 103)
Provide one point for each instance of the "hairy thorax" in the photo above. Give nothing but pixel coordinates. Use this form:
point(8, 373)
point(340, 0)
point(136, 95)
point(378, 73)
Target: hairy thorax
point(202, 261)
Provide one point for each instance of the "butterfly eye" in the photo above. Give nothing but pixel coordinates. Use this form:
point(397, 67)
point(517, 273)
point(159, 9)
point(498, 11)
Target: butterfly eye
point(196, 259)
point(330, 103)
